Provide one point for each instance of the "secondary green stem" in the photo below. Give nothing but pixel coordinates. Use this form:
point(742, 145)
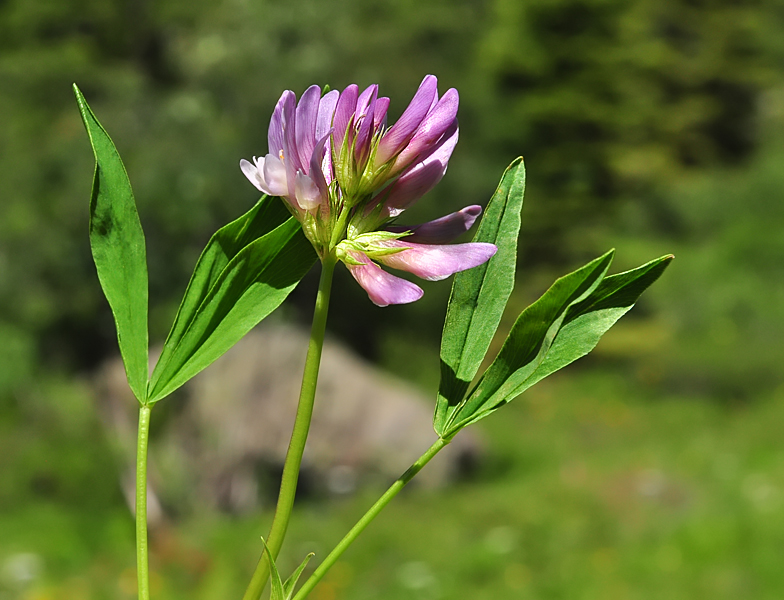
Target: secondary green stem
point(299, 435)
point(371, 514)
point(142, 565)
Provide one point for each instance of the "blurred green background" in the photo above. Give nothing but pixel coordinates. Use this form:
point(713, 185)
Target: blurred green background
point(652, 469)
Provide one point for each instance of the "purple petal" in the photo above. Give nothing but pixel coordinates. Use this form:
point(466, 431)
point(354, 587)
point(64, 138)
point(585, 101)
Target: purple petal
point(436, 262)
point(443, 230)
point(410, 187)
point(365, 133)
point(326, 111)
point(345, 109)
point(434, 125)
point(275, 132)
point(324, 127)
point(316, 165)
point(433, 103)
point(382, 288)
point(380, 115)
point(363, 102)
point(290, 156)
point(400, 133)
point(307, 111)
point(421, 177)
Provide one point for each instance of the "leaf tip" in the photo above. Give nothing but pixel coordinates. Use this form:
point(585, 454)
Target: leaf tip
point(78, 93)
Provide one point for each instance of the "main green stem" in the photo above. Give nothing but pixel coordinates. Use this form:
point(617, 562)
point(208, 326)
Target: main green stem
point(371, 514)
point(288, 485)
point(142, 564)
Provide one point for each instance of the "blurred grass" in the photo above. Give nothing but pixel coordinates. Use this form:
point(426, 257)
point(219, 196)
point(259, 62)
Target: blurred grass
point(591, 489)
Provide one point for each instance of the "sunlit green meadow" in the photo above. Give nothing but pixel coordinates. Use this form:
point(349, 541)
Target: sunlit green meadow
point(589, 489)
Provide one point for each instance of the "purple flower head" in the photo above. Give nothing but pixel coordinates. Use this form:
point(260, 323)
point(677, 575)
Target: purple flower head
point(368, 154)
point(346, 176)
point(298, 166)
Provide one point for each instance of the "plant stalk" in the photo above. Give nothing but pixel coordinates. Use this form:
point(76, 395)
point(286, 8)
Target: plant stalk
point(371, 514)
point(299, 435)
point(142, 562)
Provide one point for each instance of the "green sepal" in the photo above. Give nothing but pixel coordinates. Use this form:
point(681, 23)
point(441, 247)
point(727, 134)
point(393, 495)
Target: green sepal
point(118, 249)
point(565, 324)
point(479, 296)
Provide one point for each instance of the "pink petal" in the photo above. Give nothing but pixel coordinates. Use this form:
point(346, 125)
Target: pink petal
point(443, 230)
point(382, 288)
point(436, 262)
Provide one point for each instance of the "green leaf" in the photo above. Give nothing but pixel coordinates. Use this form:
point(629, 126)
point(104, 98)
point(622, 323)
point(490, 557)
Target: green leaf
point(278, 590)
point(254, 282)
point(276, 585)
point(118, 248)
point(479, 296)
point(563, 325)
point(291, 582)
point(225, 244)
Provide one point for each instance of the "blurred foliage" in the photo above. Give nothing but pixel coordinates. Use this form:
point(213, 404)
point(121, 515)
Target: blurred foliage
point(651, 126)
point(607, 99)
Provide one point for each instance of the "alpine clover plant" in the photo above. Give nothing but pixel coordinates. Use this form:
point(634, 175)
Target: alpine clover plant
point(335, 180)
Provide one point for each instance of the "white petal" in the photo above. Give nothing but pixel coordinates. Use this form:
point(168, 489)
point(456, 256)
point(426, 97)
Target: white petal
point(274, 175)
point(308, 194)
point(252, 173)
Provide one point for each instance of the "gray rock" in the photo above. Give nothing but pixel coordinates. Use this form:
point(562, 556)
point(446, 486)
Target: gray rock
point(226, 432)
